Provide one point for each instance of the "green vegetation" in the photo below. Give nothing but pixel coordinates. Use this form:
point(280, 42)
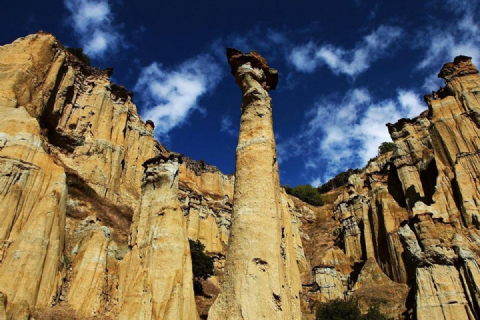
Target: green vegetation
point(339, 180)
point(346, 310)
point(202, 265)
point(386, 147)
point(78, 52)
point(306, 193)
point(374, 314)
point(67, 261)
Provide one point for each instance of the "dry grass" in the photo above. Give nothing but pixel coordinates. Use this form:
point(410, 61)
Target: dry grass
point(111, 215)
point(55, 313)
point(62, 312)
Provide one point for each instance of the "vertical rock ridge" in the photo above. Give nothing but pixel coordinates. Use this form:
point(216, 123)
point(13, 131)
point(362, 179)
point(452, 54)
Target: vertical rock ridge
point(33, 203)
point(261, 279)
point(155, 279)
point(414, 212)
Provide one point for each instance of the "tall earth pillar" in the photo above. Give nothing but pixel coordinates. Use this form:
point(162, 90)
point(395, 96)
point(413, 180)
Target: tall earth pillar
point(261, 279)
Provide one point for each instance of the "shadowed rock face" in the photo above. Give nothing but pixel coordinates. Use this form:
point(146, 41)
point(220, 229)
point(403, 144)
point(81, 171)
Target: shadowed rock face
point(262, 280)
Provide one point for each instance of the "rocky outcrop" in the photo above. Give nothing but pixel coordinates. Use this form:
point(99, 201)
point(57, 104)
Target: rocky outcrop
point(72, 149)
point(156, 276)
point(96, 214)
point(33, 188)
point(206, 199)
point(409, 220)
point(262, 280)
point(88, 286)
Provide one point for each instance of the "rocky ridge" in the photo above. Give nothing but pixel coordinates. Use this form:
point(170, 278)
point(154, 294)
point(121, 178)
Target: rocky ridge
point(84, 230)
point(74, 175)
point(407, 224)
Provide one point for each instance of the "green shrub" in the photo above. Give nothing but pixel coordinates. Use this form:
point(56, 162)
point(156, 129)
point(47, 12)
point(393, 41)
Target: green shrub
point(346, 310)
point(374, 314)
point(78, 52)
point(67, 261)
point(339, 310)
point(202, 264)
point(386, 147)
point(306, 193)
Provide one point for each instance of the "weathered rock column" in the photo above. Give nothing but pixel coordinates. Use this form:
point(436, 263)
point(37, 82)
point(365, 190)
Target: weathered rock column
point(156, 281)
point(261, 279)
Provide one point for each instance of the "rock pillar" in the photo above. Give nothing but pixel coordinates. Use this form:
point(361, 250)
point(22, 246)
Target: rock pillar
point(156, 280)
point(261, 279)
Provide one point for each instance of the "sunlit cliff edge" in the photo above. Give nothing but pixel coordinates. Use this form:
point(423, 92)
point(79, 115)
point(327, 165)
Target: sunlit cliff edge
point(95, 214)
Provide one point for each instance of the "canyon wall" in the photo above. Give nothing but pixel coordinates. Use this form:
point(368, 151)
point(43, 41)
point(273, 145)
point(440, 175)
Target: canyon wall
point(81, 229)
point(408, 222)
point(96, 214)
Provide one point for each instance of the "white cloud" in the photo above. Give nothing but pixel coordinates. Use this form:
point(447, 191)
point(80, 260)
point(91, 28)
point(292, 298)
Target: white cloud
point(410, 103)
point(308, 57)
point(226, 125)
point(460, 35)
point(171, 95)
point(93, 22)
point(302, 57)
point(344, 133)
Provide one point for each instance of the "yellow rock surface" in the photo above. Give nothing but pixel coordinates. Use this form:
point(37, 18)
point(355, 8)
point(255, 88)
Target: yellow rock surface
point(85, 293)
point(33, 199)
point(261, 247)
point(155, 280)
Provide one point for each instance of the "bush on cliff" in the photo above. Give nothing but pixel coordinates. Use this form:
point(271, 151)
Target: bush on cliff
point(202, 265)
point(78, 52)
point(346, 310)
point(306, 193)
point(386, 147)
point(339, 180)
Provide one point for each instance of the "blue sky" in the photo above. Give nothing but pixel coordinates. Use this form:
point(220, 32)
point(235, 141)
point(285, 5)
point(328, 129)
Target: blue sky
point(346, 67)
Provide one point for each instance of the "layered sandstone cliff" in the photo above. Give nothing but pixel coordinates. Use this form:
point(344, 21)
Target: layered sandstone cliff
point(96, 214)
point(407, 224)
point(73, 155)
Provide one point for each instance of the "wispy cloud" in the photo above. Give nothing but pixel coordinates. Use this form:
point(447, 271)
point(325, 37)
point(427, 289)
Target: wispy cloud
point(344, 133)
point(351, 62)
point(171, 95)
point(460, 35)
point(226, 125)
point(93, 22)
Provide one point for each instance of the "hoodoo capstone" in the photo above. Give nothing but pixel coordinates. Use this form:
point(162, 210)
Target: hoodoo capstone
point(262, 280)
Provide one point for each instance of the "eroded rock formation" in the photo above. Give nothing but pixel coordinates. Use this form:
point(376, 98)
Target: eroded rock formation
point(156, 275)
point(262, 280)
point(33, 190)
point(409, 220)
point(72, 150)
point(95, 214)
